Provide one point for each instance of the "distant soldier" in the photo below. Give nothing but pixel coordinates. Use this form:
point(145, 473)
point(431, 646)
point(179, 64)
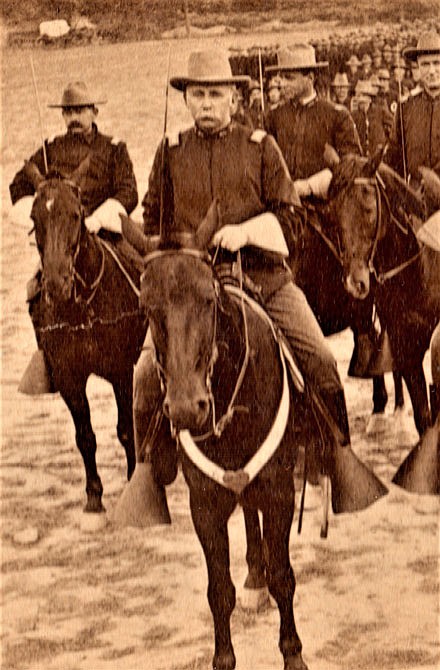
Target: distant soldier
point(306, 123)
point(274, 93)
point(340, 89)
point(415, 140)
point(353, 72)
point(366, 70)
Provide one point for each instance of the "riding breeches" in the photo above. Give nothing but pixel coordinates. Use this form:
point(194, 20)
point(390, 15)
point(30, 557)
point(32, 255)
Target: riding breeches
point(291, 312)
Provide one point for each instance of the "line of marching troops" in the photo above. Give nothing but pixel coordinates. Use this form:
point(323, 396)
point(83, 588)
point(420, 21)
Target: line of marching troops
point(370, 77)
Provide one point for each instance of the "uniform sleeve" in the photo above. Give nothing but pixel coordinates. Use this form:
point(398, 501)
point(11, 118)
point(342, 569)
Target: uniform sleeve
point(279, 193)
point(346, 138)
point(20, 185)
point(394, 154)
point(124, 180)
point(151, 200)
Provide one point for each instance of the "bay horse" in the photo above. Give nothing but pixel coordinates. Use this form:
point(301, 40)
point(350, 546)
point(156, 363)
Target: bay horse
point(375, 215)
point(86, 317)
point(318, 272)
point(225, 388)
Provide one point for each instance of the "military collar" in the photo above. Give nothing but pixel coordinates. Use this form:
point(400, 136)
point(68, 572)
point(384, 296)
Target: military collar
point(224, 132)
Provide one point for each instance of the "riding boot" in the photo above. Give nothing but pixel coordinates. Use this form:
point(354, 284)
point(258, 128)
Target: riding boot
point(336, 407)
point(434, 393)
point(37, 378)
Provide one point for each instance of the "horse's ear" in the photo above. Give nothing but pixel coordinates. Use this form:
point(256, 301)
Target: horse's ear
point(431, 183)
point(33, 173)
point(81, 171)
point(331, 156)
point(132, 232)
point(208, 227)
point(372, 165)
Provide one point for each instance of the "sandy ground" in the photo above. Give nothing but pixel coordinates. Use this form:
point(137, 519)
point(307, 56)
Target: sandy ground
point(367, 597)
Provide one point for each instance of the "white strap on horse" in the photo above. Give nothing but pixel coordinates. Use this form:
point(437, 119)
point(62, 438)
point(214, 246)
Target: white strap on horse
point(237, 480)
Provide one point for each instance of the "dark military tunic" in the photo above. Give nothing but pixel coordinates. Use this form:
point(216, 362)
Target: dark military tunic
point(245, 171)
point(421, 133)
point(109, 175)
point(303, 130)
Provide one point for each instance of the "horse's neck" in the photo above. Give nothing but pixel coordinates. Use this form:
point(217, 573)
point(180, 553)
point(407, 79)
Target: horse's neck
point(89, 259)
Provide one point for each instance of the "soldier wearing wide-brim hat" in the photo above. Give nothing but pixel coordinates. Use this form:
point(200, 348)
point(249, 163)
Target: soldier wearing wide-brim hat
point(415, 141)
point(298, 58)
point(341, 88)
point(244, 171)
point(108, 187)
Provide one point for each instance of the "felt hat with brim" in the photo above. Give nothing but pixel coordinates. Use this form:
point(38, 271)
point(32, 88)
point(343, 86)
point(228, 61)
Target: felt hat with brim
point(366, 58)
point(208, 68)
point(383, 74)
point(340, 80)
point(298, 58)
point(353, 60)
point(428, 44)
point(77, 95)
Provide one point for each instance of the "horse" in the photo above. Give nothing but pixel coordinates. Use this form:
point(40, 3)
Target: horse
point(225, 388)
point(86, 317)
point(318, 272)
point(374, 216)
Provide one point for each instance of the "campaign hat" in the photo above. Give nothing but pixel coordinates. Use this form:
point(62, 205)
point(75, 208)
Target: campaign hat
point(297, 58)
point(341, 80)
point(76, 94)
point(209, 67)
point(428, 44)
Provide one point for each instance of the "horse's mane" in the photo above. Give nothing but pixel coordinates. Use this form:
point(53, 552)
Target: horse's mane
point(402, 198)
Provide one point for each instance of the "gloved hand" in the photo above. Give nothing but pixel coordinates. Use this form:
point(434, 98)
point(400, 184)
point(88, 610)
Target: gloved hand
point(106, 216)
point(232, 237)
point(302, 187)
point(20, 213)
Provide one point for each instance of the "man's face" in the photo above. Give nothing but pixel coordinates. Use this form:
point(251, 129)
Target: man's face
point(296, 85)
point(274, 94)
point(429, 67)
point(341, 93)
point(210, 106)
point(79, 120)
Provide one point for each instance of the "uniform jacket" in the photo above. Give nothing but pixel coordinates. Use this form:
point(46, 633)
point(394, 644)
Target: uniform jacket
point(110, 173)
point(374, 126)
point(421, 132)
point(303, 130)
point(245, 171)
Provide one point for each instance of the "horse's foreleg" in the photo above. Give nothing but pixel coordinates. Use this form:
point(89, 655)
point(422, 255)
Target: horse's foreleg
point(255, 595)
point(76, 401)
point(380, 395)
point(416, 383)
point(212, 531)
point(123, 390)
point(399, 400)
point(277, 521)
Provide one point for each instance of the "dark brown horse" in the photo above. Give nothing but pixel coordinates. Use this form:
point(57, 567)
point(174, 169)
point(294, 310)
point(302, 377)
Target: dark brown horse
point(225, 384)
point(86, 317)
point(375, 216)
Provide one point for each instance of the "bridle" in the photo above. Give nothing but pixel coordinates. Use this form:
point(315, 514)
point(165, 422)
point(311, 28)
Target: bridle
point(75, 276)
point(380, 189)
point(217, 426)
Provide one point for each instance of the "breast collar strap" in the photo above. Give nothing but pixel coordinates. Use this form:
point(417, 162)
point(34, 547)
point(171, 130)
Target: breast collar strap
point(237, 480)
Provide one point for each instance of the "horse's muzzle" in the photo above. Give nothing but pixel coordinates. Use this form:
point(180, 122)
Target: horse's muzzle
point(357, 281)
point(187, 413)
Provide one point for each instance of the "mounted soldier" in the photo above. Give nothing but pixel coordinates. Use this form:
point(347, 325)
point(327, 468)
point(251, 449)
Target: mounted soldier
point(108, 183)
point(245, 172)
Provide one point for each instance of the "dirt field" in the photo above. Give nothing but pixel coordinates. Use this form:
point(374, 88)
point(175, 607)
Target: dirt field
point(367, 598)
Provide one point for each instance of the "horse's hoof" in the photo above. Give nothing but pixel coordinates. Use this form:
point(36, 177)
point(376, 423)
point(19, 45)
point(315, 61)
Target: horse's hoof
point(254, 600)
point(92, 523)
point(377, 423)
point(294, 663)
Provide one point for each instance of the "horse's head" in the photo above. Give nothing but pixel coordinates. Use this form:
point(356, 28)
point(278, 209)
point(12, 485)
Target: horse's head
point(58, 218)
point(354, 205)
point(179, 295)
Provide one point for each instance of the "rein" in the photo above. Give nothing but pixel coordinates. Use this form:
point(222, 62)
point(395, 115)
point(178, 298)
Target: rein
point(93, 287)
point(382, 277)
